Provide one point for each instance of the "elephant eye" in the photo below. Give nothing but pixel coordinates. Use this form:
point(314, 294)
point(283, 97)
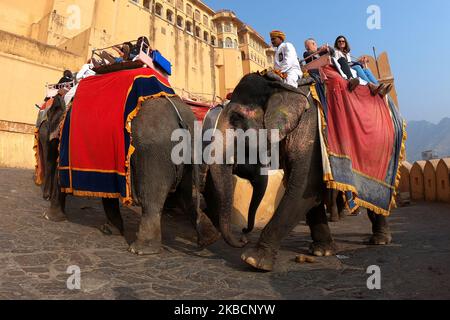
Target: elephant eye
point(238, 120)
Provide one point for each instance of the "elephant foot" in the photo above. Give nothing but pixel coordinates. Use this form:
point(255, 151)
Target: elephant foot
point(380, 239)
point(108, 229)
point(259, 258)
point(322, 249)
point(55, 215)
point(145, 248)
point(207, 234)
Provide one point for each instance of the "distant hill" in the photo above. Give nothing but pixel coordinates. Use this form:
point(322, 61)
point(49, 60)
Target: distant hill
point(424, 135)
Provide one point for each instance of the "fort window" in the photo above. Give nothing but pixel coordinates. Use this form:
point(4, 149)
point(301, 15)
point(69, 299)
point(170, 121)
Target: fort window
point(197, 32)
point(197, 16)
point(228, 43)
point(205, 36)
point(146, 4)
point(205, 20)
point(180, 5)
point(189, 10)
point(236, 43)
point(169, 16)
point(158, 9)
point(213, 41)
point(180, 21)
point(228, 27)
point(189, 26)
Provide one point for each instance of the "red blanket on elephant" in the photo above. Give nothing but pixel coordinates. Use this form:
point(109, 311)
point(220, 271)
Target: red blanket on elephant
point(364, 143)
point(95, 146)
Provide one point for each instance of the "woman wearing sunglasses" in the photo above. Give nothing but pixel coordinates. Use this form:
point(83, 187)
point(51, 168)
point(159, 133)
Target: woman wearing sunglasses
point(355, 70)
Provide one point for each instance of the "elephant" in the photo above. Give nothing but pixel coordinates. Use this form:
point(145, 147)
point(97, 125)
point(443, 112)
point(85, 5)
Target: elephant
point(336, 206)
point(261, 103)
point(153, 173)
point(48, 131)
point(250, 172)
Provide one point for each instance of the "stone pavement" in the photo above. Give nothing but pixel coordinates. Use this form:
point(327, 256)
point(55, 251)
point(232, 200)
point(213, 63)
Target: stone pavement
point(35, 255)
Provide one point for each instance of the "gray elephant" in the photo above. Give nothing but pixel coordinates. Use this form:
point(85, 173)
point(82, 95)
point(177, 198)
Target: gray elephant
point(154, 175)
point(260, 103)
point(250, 172)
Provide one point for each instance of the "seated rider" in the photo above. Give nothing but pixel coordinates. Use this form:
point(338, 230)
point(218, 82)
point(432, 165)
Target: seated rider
point(313, 53)
point(136, 49)
point(67, 77)
point(286, 59)
point(357, 75)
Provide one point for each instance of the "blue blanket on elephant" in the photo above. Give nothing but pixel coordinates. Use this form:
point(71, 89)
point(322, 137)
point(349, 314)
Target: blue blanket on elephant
point(95, 145)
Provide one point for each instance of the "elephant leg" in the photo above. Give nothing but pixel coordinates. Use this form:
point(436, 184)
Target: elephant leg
point(114, 226)
point(259, 184)
point(340, 203)
point(207, 233)
point(153, 178)
point(290, 212)
point(323, 244)
point(46, 190)
point(57, 198)
point(149, 236)
point(380, 229)
point(334, 210)
point(56, 212)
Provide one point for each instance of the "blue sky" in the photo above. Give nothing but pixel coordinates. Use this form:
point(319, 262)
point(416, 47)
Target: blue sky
point(416, 35)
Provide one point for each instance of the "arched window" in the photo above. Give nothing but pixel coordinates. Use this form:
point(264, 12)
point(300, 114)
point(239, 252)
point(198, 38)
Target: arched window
point(158, 9)
point(189, 26)
point(197, 16)
point(213, 41)
point(228, 43)
point(189, 10)
point(169, 15)
point(180, 5)
point(205, 36)
point(146, 4)
point(197, 32)
point(235, 44)
point(205, 20)
point(180, 21)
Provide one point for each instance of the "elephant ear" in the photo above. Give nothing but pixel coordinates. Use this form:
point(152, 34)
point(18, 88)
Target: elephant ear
point(283, 112)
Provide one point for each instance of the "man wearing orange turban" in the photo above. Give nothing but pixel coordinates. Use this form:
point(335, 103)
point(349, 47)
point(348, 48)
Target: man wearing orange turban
point(286, 59)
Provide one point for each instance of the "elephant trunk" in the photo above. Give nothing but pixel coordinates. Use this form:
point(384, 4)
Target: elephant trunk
point(222, 177)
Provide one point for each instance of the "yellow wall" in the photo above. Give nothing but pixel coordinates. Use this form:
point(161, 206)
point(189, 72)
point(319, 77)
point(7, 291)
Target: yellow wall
point(16, 150)
point(40, 38)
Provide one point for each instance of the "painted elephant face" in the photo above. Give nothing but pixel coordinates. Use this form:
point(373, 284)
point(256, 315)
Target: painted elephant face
point(259, 103)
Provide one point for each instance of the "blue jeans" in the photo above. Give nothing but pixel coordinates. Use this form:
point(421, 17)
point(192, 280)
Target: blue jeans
point(365, 74)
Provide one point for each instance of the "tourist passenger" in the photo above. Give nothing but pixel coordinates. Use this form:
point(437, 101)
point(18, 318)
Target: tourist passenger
point(313, 52)
point(286, 59)
point(85, 71)
point(67, 77)
point(354, 70)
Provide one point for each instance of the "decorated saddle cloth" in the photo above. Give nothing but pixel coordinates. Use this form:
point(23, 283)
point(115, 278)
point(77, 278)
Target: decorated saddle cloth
point(95, 145)
point(363, 144)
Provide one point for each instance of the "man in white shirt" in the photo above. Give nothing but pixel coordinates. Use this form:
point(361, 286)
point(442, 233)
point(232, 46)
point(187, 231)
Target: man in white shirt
point(286, 59)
